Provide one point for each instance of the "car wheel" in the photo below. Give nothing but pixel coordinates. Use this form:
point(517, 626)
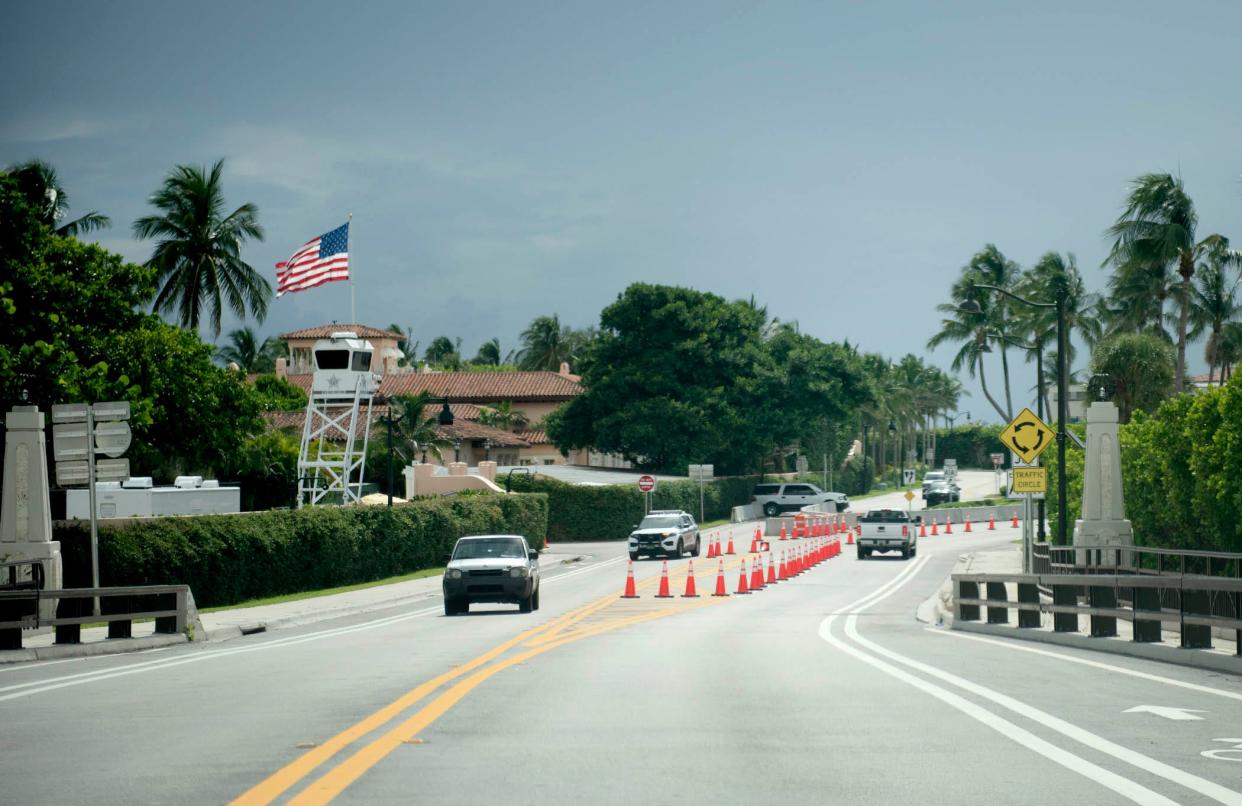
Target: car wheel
point(676, 553)
point(698, 542)
point(450, 609)
point(905, 553)
point(534, 604)
point(862, 555)
point(524, 605)
point(633, 555)
point(771, 509)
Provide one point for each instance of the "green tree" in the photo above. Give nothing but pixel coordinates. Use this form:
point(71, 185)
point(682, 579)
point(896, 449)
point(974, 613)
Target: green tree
point(198, 255)
point(1155, 232)
point(489, 353)
point(1214, 299)
point(1229, 349)
point(1139, 370)
point(503, 416)
point(443, 353)
point(406, 344)
point(248, 354)
point(415, 428)
point(543, 345)
point(277, 394)
point(37, 182)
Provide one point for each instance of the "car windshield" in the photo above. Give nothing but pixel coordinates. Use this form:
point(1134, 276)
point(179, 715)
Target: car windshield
point(659, 522)
point(932, 477)
point(506, 547)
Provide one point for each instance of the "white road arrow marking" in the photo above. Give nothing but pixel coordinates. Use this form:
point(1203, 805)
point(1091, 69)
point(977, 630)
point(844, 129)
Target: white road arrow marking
point(1176, 714)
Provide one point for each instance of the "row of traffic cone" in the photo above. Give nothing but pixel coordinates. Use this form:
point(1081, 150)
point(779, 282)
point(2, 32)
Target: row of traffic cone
point(792, 562)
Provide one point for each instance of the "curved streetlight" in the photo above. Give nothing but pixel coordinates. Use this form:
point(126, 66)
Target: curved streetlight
point(971, 306)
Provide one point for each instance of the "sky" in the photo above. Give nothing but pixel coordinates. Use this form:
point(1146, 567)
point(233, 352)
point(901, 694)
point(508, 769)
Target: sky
point(839, 162)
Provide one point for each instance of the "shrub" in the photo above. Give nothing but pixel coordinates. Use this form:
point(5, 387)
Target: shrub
point(227, 559)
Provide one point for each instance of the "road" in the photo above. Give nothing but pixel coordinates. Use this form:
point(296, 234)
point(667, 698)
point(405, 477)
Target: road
point(823, 688)
point(976, 485)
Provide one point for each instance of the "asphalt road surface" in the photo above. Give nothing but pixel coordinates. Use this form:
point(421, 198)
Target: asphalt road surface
point(821, 689)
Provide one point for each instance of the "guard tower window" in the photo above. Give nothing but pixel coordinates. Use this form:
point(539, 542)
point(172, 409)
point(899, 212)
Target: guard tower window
point(362, 362)
point(334, 359)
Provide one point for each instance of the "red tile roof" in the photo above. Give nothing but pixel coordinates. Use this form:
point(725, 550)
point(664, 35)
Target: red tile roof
point(463, 429)
point(324, 331)
point(473, 387)
point(536, 437)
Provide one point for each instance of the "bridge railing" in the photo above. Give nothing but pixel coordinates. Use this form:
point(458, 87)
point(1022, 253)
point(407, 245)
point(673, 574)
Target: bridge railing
point(1193, 604)
point(169, 605)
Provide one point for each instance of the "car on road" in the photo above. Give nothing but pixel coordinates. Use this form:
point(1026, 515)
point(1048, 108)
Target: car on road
point(777, 498)
point(670, 532)
point(931, 477)
point(941, 492)
point(491, 568)
point(888, 530)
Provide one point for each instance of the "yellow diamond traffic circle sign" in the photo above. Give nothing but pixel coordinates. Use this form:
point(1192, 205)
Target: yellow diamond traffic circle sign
point(1027, 436)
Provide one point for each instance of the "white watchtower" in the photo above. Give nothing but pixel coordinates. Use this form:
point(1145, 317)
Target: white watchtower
point(342, 384)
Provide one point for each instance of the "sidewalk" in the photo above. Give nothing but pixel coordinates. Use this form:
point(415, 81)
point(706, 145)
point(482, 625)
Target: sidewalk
point(939, 610)
point(223, 625)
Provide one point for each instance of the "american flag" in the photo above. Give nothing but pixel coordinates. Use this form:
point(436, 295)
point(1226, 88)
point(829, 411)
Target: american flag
point(320, 261)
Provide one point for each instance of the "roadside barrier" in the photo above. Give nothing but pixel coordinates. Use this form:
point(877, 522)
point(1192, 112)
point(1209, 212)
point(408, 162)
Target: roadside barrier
point(690, 593)
point(630, 592)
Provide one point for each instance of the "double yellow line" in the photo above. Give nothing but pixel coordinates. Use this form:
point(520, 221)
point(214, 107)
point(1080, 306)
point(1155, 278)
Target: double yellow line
point(538, 640)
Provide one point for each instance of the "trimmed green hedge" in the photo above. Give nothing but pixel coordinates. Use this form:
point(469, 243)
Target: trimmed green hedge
point(582, 512)
point(971, 445)
point(227, 559)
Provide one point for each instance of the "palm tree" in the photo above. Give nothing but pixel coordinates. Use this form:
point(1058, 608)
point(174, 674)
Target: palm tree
point(406, 344)
point(413, 429)
point(1229, 349)
point(1155, 231)
point(245, 351)
point(503, 416)
point(443, 353)
point(1214, 300)
point(544, 345)
point(37, 182)
point(198, 256)
point(489, 353)
point(1135, 302)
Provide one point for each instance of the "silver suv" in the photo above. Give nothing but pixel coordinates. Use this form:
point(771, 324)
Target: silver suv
point(491, 568)
point(778, 498)
point(665, 531)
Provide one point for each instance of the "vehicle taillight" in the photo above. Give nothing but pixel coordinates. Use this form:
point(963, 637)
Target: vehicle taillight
point(905, 531)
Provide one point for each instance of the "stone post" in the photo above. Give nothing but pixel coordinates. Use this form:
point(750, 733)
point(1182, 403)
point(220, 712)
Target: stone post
point(1103, 521)
point(25, 509)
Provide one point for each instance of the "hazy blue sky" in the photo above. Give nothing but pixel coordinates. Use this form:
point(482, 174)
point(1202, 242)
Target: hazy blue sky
point(840, 162)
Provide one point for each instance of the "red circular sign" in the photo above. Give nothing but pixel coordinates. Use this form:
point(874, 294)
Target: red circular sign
point(646, 483)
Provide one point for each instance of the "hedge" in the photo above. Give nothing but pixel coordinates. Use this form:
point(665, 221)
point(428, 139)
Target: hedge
point(971, 445)
point(585, 512)
point(226, 559)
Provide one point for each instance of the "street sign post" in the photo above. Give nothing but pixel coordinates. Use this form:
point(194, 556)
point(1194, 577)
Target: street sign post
point(1027, 436)
point(704, 474)
point(998, 459)
point(79, 431)
point(646, 484)
point(907, 476)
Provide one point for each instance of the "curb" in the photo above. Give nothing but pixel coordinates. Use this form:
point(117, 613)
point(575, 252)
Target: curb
point(109, 646)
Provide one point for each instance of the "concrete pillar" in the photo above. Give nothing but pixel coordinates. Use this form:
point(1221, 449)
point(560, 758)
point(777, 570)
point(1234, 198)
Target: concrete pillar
point(1103, 521)
point(413, 473)
point(488, 470)
point(458, 469)
point(25, 510)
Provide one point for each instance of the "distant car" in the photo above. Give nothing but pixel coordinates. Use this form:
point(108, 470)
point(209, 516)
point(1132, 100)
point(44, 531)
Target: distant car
point(778, 498)
point(941, 492)
point(931, 477)
point(665, 531)
point(888, 530)
point(491, 568)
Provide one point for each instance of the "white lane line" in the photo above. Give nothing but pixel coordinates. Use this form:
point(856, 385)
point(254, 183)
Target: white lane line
point(1178, 776)
point(1017, 646)
point(51, 684)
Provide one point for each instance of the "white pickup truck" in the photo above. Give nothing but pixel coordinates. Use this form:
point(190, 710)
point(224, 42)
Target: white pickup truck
point(888, 530)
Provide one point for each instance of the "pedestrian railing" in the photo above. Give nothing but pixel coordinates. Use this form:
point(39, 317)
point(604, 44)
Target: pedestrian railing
point(1192, 604)
point(21, 609)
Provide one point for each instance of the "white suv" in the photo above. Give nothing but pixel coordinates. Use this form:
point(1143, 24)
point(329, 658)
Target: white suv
point(778, 498)
point(665, 531)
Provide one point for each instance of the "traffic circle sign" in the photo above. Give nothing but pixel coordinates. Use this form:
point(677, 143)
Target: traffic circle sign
point(646, 483)
point(1027, 436)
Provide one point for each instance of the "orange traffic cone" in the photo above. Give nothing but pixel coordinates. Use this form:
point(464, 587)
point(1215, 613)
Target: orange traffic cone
point(630, 592)
point(756, 573)
point(771, 580)
point(784, 534)
point(546, 545)
point(935, 527)
point(992, 522)
point(690, 593)
point(967, 523)
point(713, 548)
point(1014, 525)
point(922, 529)
point(850, 540)
point(948, 524)
point(741, 580)
point(664, 594)
point(729, 550)
point(782, 573)
point(720, 581)
point(754, 542)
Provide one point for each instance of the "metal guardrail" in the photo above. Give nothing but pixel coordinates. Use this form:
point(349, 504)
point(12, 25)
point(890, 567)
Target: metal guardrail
point(1194, 603)
point(119, 607)
point(1135, 560)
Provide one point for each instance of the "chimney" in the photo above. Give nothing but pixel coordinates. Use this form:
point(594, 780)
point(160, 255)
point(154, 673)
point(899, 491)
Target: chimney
point(564, 368)
point(282, 368)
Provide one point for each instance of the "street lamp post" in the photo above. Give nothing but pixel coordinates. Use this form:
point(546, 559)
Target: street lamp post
point(1040, 394)
point(456, 450)
point(970, 306)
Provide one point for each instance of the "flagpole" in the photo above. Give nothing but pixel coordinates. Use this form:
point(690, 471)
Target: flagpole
point(353, 310)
